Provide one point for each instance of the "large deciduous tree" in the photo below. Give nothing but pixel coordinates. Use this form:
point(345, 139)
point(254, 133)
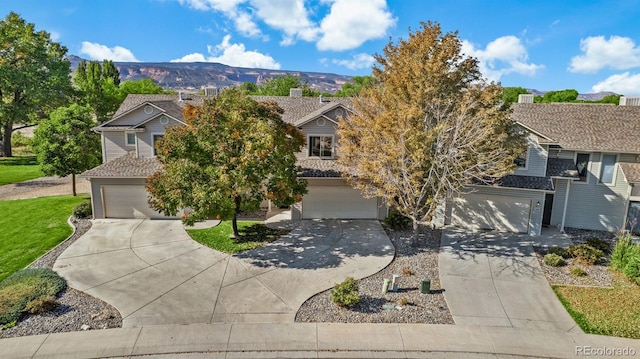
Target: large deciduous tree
point(98, 87)
point(34, 75)
point(65, 145)
point(431, 127)
point(356, 84)
point(233, 153)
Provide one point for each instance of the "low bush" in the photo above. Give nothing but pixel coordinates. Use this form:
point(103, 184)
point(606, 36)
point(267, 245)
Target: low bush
point(632, 269)
point(585, 253)
point(28, 290)
point(553, 260)
point(598, 243)
point(395, 220)
point(83, 210)
point(622, 251)
point(560, 252)
point(578, 272)
point(346, 294)
point(41, 305)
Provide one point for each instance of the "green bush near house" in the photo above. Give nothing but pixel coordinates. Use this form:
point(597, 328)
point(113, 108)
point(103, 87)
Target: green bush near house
point(83, 210)
point(598, 243)
point(346, 294)
point(578, 272)
point(28, 290)
point(559, 251)
point(395, 220)
point(585, 253)
point(553, 260)
point(625, 257)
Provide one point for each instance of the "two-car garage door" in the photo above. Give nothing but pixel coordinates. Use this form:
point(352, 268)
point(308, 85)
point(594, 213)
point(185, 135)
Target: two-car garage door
point(127, 201)
point(501, 213)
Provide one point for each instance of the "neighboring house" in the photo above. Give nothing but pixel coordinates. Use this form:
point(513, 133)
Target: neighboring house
point(128, 142)
point(581, 170)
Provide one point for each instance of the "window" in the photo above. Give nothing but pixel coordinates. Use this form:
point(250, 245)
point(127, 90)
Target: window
point(608, 169)
point(130, 138)
point(582, 164)
point(521, 160)
point(321, 146)
point(156, 138)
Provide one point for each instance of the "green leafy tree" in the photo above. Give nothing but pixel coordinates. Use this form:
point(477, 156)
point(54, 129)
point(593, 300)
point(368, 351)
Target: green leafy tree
point(249, 88)
point(34, 76)
point(569, 95)
point(280, 86)
point(430, 128)
point(353, 87)
point(142, 86)
point(233, 153)
point(65, 145)
point(510, 94)
point(614, 99)
point(97, 85)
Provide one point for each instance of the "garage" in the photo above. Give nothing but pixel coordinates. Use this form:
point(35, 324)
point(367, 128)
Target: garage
point(340, 201)
point(500, 213)
point(122, 201)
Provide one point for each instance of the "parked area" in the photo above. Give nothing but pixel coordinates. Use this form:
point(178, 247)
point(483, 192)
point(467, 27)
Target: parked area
point(154, 273)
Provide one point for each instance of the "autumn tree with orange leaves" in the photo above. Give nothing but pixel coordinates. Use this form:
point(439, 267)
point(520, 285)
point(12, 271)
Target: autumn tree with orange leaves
point(233, 153)
point(429, 128)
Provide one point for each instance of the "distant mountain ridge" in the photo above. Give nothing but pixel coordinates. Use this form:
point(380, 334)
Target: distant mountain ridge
point(194, 76)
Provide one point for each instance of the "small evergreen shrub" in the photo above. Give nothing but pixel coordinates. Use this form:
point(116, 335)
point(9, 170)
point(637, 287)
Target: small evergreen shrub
point(346, 294)
point(598, 243)
point(560, 252)
point(632, 269)
point(41, 305)
point(24, 289)
point(553, 260)
point(585, 253)
point(83, 210)
point(622, 251)
point(395, 220)
point(578, 272)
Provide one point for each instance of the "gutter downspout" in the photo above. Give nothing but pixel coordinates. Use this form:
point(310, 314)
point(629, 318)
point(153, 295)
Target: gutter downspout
point(564, 210)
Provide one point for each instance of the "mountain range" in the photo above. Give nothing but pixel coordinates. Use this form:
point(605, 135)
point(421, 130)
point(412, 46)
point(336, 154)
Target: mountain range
point(194, 76)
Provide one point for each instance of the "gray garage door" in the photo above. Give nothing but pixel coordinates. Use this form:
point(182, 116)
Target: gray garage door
point(337, 202)
point(501, 213)
point(123, 201)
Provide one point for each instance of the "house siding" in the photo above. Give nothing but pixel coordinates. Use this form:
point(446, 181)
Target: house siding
point(96, 193)
point(145, 139)
point(115, 146)
point(312, 128)
point(536, 160)
point(134, 117)
point(558, 202)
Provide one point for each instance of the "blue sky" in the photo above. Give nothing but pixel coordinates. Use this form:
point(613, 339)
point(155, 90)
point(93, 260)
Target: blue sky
point(587, 45)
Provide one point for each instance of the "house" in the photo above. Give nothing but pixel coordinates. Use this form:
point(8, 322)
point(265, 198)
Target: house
point(581, 170)
point(128, 153)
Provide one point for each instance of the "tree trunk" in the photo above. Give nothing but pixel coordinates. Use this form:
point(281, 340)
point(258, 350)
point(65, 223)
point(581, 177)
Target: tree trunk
point(416, 233)
point(7, 130)
point(234, 221)
point(73, 184)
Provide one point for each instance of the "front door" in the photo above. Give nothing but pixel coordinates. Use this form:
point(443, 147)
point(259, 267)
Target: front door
point(548, 206)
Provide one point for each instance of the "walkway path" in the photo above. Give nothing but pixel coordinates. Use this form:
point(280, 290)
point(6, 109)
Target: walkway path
point(494, 279)
point(153, 273)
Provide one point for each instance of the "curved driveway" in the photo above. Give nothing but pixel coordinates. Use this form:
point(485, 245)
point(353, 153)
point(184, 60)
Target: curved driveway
point(154, 273)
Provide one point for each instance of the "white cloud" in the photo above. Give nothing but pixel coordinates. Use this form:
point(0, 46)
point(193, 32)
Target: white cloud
point(359, 61)
point(352, 22)
point(54, 35)
point(101, 52)
point(289, 16)
point(502, 56)
point(626, 83)
point(618, 53)
point(232, 55)
point(230, 8)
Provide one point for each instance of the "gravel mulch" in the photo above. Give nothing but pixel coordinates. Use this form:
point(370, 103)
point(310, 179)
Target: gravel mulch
point(76, 309)
point(412, 264)
point(597, 275)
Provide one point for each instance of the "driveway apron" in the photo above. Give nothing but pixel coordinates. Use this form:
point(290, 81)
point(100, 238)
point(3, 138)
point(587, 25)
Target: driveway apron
point(154, 273)
point(494, 279)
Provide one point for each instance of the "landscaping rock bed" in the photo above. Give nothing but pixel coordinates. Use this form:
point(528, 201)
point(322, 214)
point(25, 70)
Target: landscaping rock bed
point(597, 275)
point(412, 264)
point(76, 309)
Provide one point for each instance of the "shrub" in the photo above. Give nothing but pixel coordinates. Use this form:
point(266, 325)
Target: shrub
point(632, 269)
point(553, 260)
point(623, 249)
point(41, 305)
point(598, 243)
point(396, 220)
point(585, 254)
point(560, 252)
point(403, 301)
point(83, 210)
point(406, 271)
point(26, 288)
point(345, 294)
point(578, 272)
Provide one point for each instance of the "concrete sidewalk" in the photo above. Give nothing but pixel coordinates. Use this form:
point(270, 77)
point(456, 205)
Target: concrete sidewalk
point(309, 340)
point(493, 278)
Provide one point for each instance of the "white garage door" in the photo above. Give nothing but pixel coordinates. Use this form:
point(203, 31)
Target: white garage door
point(501, 213)
point(127, 202)
point(337, 202)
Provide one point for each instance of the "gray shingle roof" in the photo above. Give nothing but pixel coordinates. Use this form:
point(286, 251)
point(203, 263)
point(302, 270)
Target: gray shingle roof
point(126, 166)
point(561, 167)
point(169, 103)
point(297, 108)
point(584, 127)
point(631, 171)
point(556, 167)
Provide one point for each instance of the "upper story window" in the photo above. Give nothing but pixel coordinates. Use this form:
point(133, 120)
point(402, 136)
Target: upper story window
point(156, 138)
point(130, 138)
point(521, 160)
point(608, 169)
point(582, 164)
point(321, 146)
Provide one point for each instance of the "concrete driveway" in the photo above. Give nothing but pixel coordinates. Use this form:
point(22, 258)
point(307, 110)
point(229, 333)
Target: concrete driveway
point(494, 279)
point(154, 273)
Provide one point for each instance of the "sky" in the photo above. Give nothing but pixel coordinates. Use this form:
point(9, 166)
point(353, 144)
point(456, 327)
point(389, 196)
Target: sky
point(589, 46)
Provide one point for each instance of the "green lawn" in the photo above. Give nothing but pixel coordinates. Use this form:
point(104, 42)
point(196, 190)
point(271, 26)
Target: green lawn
point(253, 234)
point(31, 227)
point(606, 311)
point(18, 169)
